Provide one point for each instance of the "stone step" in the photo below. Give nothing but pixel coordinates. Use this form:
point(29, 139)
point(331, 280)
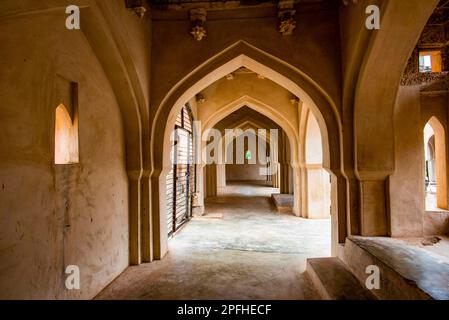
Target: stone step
point(334, 281)
point(283, 203)
point(407, 272)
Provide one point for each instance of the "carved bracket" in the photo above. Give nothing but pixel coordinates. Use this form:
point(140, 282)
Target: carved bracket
point(138, 6)
point(287, 17)
point(198, 19)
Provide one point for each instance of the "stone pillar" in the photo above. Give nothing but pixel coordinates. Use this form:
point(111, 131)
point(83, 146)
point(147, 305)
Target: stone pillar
point(297, 195)
point(134, 218)
point(159, 215)
point(211, 180)
point(221, 175)
point(284, 165)
point(318, 193)
point(275, 177)
point(199, 209)
point(146, 225)
point(285, 177)
point(374, 211)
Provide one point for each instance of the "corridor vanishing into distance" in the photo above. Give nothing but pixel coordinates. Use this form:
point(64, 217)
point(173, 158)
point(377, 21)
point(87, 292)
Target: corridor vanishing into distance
point(242, 248)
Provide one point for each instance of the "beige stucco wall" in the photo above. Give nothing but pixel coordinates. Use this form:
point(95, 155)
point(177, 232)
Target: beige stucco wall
point(35, 195)
point(312, 48)
point(250, 170)
point(407, 194)
point(407, 182)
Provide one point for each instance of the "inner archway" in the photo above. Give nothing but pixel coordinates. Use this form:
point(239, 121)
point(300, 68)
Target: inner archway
point(250, 157)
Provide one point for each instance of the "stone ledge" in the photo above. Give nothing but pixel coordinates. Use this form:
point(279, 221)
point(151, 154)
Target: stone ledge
point(283, 203)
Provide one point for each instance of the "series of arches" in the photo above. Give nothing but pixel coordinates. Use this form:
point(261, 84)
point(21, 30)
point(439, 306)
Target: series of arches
point(326, 115)
point(357, 174)
point(350, 87)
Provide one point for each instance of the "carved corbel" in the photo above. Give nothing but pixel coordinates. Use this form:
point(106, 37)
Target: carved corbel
point(287, 17)
point(346, 2)
point(198, 19)
point(138, 6)
point(200, 99)
point(294, 100)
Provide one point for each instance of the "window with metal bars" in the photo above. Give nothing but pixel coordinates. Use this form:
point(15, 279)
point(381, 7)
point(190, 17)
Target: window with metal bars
point(181, 180)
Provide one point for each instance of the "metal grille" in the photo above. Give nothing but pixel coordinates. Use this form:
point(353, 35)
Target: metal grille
point(181, 178)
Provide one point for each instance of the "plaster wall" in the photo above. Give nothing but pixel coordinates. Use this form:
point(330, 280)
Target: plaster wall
point(407, 182)
point(250, 169)
point(245, 172)
point(54, 216)
point(315, 36)
point(414, 107)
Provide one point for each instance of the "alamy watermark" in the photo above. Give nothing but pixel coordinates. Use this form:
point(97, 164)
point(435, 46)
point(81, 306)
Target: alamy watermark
point(73, 21)
point(373, 280)
point(73, 279)
point(372, 22)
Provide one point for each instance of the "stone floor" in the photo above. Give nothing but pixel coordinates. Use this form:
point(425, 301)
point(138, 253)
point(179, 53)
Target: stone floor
point(241, 249)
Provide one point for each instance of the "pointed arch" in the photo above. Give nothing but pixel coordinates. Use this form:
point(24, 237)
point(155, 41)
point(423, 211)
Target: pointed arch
point(66, 137)
point(440, 162)
point(262, 108)
point(242, 54)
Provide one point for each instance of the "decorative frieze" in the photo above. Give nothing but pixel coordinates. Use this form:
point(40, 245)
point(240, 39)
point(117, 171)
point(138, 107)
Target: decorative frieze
point(434, 37)
point(415, 79)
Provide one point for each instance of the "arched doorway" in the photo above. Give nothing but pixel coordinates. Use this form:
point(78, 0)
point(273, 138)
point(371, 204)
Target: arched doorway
point(202, 77)
point(435, 170)
point(249, 156)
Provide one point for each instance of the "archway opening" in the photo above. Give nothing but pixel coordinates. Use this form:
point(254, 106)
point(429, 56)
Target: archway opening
point(435, 168)
point(249, 164)
point(251, 176)
point(283, 105)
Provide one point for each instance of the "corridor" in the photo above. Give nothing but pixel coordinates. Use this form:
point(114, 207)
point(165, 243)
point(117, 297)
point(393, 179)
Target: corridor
point(240, 249)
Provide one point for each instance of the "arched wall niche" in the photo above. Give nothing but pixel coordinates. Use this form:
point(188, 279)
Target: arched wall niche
point(66, 137)
point(239, 55)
